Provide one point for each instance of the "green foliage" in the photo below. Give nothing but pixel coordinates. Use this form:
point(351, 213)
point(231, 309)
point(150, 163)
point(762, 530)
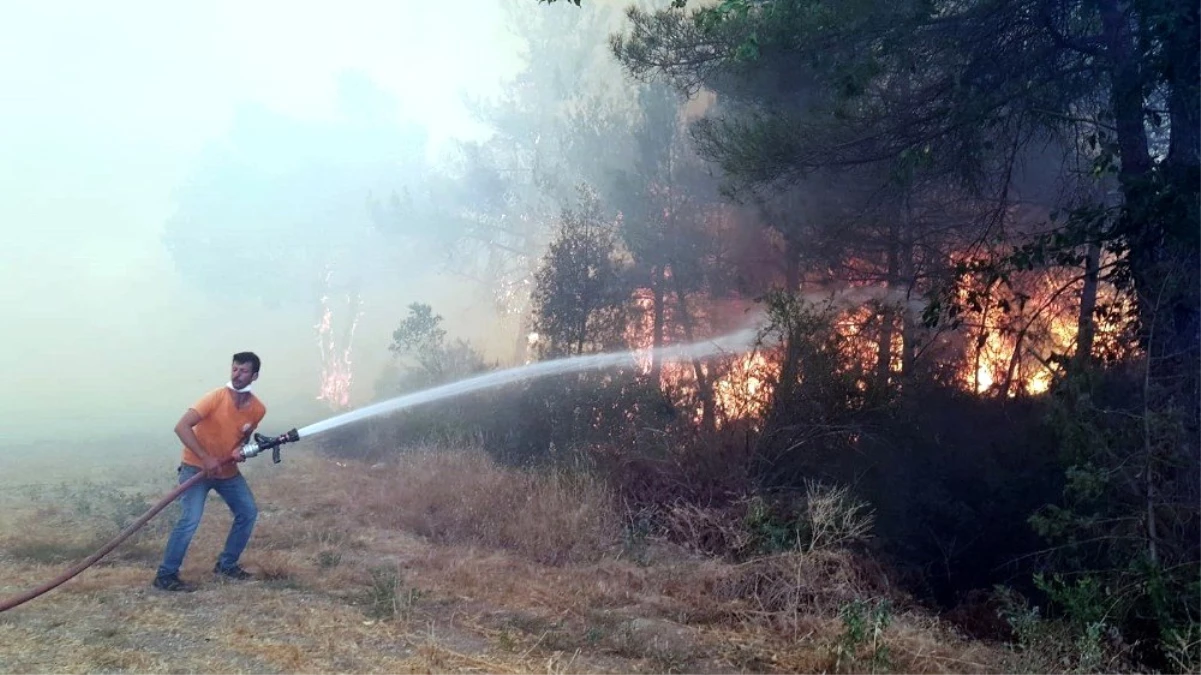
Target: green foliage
point(1183, 647)
point(387, 597)
point(1023, 619)
point(770, 532)
point(1084, 644)
point(829, 518)
point(544, 420)
point(864, 625)
point(106, 507)
point(817, 396)
point(1082, 600)
point(1111, 567)
point(579, 293)
point(420, 332)
point(424, 357)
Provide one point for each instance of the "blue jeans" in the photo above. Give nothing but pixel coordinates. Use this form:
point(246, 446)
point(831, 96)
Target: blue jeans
point(237, 495)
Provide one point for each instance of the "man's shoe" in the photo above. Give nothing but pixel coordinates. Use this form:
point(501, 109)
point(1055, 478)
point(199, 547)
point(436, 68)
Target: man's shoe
point(235, 572)
point(172, 582)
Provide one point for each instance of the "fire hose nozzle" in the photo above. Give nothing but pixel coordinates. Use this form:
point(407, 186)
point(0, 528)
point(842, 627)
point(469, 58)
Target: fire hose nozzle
point(262, 443)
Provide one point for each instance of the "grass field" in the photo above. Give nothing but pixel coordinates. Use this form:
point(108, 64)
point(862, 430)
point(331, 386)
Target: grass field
point(436, 562)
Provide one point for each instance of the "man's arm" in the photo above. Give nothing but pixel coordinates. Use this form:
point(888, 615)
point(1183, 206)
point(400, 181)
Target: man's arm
point(183, 429)
point(247, 430)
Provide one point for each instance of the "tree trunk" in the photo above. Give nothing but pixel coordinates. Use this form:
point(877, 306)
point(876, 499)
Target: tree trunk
point(909, 327)
point(1126, 89)
point(1160, 220)
point(1149, 465)
point(1085, 323)
point(1184, 101)
point(783, 394)
point(1184, 174)
point(704, 387)
point(1127, 94)
point(888, 311)
point(1015, 359)
point(792, 265)
point(657, 328)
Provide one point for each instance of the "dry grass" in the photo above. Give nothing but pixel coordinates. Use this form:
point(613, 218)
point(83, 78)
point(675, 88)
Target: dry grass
point(441, 562)
point(463, 497)
point(787, 588)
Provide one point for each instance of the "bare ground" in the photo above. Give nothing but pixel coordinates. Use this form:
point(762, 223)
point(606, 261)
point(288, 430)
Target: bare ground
point(429, 565)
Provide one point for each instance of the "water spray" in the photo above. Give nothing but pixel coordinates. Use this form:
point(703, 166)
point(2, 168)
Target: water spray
point(737, 342)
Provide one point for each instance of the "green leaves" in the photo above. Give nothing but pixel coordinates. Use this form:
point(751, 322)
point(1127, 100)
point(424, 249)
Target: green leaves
point(420, 331)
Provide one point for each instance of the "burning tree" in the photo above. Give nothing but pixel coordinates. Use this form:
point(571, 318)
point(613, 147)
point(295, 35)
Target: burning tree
point(337, 371)
point(960, 109)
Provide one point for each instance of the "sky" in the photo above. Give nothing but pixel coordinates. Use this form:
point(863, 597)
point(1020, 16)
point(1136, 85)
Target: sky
point(128, 125)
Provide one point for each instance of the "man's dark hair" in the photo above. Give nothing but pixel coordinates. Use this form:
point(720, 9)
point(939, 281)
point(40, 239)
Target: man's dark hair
point(248, 357)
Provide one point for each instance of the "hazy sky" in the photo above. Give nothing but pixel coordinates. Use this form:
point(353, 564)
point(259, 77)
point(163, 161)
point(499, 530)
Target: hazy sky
point(107, 113)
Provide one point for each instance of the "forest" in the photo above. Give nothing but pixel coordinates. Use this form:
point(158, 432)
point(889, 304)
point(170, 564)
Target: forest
point(969, 233)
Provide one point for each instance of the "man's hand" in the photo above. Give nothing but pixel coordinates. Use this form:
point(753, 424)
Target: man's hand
point(183, 429)
point(236, 453)
point(210, 464)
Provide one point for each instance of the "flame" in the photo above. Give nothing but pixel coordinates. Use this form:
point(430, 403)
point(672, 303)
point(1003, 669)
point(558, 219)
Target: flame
point(744, 390)
point(741, 384)
point(1013, 350)
point(860, 326)
point(336, 365)
point(1041, 324)
point(1010, 344)
point(639, 334)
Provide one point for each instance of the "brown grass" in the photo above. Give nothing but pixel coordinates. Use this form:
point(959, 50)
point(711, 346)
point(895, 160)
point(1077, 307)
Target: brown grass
point(464, 497)
point(484, 569)
point(787, 586)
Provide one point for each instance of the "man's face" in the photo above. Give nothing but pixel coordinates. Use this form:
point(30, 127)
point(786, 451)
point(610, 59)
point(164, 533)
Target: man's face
point(242, 374)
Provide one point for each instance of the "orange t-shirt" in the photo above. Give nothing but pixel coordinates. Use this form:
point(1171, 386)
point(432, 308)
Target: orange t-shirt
point(220, 427)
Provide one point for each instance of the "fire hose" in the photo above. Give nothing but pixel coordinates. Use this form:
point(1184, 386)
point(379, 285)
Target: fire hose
point(261, 443)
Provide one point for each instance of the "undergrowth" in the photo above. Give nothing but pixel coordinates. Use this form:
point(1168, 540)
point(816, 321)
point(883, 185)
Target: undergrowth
point(555, 547)
point(69, 522)
point(554, 517)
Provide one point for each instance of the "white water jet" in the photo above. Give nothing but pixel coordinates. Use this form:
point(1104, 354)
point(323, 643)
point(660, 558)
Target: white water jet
point(737, 342)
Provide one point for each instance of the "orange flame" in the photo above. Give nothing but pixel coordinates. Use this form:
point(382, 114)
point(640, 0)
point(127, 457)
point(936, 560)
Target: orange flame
point(1041, 323)
point(1012, 343)
point(336, 366)
point(741, 384)
point(744, 390)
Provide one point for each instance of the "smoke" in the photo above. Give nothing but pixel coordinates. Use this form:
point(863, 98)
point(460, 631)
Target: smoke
point(168, 212)
point(850, 297)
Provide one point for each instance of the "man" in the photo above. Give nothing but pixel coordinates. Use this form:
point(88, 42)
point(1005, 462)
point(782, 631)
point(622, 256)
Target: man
point(213, 432)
